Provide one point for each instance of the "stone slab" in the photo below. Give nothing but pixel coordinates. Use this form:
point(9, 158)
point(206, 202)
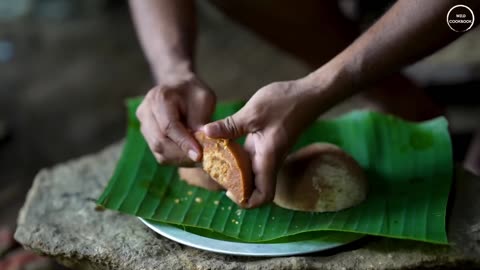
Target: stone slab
point(59, 219)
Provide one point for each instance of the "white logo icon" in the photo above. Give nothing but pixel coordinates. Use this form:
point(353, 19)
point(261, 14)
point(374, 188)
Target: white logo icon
point(460, 18)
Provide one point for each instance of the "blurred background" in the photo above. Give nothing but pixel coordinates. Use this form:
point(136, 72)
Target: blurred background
point(67, 66)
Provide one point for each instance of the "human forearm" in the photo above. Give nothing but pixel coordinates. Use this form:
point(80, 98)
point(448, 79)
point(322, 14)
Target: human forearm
point(409, 31)
point(278, 113)
point(166, 30)
point(180, 102)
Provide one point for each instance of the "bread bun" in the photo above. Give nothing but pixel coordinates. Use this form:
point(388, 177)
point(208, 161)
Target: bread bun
point(228, 164)
point(320, 178)
point(199, 178)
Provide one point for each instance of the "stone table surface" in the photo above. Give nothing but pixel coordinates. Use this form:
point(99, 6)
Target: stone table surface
point(59, 219)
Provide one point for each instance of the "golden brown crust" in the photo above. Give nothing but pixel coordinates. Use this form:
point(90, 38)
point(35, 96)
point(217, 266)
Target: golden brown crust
point(228, 164)
point(199, 178)
point(244, 164)
point(320, 178)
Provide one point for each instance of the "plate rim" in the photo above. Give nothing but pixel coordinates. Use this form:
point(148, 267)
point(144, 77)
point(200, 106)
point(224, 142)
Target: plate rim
point(244, 249)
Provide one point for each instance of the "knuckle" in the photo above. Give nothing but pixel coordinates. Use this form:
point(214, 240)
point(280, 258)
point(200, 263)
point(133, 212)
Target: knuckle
point(150, 94)
point(165, 93)
point(182, 142)
point(231, 126)
point(158, 93)
point(171, 128)
point(140, 112)
point(181, 84)
point(157, 146)
point(274, 85)
point(168, 126)
point(203, 96)
point(281, 86)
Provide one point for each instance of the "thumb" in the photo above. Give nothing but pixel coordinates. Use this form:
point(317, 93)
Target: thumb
point(232, 127)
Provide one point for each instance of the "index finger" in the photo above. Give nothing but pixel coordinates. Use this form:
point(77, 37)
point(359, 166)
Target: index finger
point(168, 119)
point(179, 134)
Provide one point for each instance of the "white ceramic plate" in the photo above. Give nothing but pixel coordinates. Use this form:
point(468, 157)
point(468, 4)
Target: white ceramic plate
point(324, 242)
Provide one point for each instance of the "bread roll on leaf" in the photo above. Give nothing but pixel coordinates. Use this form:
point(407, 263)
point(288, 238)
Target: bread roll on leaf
point(320, 178)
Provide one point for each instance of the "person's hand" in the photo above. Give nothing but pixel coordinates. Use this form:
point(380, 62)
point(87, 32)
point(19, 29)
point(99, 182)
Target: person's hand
point(272, 120)
point(168, 115)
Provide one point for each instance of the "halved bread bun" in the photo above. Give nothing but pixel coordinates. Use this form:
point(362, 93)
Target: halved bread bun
point(228, 164)
point(199, 178)
point(320, 178)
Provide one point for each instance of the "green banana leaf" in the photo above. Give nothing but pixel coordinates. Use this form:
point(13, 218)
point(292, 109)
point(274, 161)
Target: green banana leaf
point(409, 168)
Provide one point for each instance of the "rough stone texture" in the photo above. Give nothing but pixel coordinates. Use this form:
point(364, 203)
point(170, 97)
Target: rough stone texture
point(59, 220)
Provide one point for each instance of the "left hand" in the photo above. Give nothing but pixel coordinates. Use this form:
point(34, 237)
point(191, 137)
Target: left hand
point(272, 120)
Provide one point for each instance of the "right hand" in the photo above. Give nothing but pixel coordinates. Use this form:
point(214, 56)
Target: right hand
point(168, 115)
point(272, 120)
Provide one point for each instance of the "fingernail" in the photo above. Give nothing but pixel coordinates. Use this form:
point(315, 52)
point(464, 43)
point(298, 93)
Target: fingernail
point(193, 155)
point(210, 129)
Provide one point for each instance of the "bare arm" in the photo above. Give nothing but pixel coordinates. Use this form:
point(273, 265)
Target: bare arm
point(409, 31)
point(167, 31)
point(276, 115)
point(180, 102)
